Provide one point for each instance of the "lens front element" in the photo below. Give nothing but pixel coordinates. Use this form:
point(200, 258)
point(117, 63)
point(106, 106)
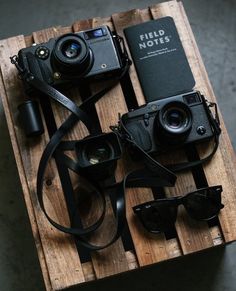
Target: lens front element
point(71, 49)
point(97, 153)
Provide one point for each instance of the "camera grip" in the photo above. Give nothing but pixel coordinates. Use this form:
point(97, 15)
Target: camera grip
point(140, 135)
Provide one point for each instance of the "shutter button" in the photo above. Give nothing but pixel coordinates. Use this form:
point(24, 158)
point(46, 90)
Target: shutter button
point(201, 130)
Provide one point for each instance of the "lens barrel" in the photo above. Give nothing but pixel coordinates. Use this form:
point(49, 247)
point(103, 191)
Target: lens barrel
point(71, 55)
point(173, 122)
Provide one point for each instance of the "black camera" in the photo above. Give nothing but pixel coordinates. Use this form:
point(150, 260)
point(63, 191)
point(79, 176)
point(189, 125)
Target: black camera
point(94, 53)
point(170, 122)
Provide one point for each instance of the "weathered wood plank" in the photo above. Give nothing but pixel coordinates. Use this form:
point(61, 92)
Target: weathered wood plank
point(113, 259)
point(121, 21)
point(25, 188)
point(77, 133)
point(30, 154)
point(193, 235)
point(107, 264)
point(89, 273)
point(155, 246)
point(219, 169)
point(114, 100)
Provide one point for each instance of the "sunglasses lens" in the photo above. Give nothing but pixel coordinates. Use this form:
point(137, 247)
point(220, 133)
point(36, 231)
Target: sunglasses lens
point(204, 204)
point(158, 216)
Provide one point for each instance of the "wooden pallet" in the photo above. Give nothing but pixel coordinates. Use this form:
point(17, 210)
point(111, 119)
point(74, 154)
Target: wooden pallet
point(58, 256)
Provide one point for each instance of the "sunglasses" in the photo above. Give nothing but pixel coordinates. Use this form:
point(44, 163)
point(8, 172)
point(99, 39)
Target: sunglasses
point(160, 215)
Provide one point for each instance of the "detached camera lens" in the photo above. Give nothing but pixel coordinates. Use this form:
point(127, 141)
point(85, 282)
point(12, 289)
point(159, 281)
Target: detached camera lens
point(71, 49)
point(98, 153)
point(72, 56)
point(174, 120)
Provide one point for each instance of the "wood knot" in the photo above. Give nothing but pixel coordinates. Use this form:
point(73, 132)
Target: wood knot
point(49, 182)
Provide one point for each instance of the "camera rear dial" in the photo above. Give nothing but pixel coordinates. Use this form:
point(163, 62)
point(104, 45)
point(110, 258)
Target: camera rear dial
point(174, 122)
point(72, 56)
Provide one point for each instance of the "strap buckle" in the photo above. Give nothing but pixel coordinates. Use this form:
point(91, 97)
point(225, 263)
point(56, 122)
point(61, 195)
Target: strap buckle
point(214, 118)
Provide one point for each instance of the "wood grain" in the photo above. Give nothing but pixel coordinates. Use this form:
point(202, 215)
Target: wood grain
point(30, 153)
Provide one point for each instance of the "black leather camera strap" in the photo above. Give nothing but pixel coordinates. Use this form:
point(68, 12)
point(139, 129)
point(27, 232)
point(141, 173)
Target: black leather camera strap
point(157, 176)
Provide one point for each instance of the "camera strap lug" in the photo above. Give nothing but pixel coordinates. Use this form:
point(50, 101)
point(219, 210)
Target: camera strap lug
point(215, 120)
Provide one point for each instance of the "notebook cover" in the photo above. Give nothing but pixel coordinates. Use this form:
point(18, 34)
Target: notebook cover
point(162, 66)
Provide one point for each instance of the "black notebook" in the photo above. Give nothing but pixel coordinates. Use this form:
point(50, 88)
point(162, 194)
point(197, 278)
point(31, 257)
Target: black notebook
point(159, 58)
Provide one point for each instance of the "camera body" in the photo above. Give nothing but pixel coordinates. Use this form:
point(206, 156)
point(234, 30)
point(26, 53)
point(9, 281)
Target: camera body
point(94, 53)
point(170, 123)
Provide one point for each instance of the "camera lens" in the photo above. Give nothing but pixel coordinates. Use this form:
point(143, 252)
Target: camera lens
point(98, 153)
point(72, 56)
point(174, 120)
point(71, 49)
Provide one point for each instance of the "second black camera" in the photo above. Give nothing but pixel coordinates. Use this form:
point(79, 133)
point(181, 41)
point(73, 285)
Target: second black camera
point(170, 122)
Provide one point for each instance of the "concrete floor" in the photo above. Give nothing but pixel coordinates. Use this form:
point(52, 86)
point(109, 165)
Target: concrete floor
point(214, 25)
